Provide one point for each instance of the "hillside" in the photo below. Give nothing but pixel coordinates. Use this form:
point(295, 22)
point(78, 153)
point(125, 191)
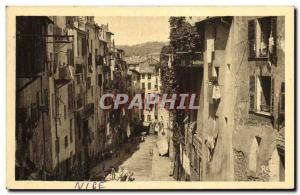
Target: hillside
point(143, 48)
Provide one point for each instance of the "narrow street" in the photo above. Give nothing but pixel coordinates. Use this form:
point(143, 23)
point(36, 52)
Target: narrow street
point(144, 162)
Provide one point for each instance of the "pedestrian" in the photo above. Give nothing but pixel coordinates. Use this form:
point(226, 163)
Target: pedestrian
point(113, 173)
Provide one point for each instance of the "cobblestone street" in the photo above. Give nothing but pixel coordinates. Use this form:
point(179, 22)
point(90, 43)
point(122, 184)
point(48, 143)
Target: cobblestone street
point(145, 162)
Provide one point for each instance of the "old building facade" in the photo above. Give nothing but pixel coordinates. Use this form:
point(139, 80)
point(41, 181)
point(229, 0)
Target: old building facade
point(60, 79)
point(237, 73)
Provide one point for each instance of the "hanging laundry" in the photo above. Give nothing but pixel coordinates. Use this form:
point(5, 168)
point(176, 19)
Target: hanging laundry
point(156, 127)
point(216, 92)
point(128, 132)
point(214, 72)
point(186, 163)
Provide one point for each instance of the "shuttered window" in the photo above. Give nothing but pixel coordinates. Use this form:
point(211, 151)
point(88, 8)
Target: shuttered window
point(272, 96)
point(282, 98)
point(252, 95)
point(273, 55)
point(70, 96)
point(251, 39)
point(70, 56)
point(99, 80)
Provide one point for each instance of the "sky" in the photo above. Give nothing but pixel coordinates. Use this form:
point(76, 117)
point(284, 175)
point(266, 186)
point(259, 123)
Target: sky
point(130, 30)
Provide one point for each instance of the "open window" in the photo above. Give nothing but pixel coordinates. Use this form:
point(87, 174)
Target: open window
point(262, 38)
point(261, 94)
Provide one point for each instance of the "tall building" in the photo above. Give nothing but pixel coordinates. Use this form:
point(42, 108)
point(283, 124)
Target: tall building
point(237, 72)
point(68, 64)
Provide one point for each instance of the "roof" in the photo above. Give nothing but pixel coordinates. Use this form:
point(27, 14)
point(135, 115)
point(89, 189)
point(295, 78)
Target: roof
point(146, 68)
point(135, 59)
point(224, 19)
point(194, 19)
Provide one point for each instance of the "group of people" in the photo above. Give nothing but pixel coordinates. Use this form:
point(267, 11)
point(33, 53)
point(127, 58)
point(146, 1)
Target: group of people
point(121, 175)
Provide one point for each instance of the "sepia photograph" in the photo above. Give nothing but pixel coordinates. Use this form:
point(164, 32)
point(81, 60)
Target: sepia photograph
point(150, 101)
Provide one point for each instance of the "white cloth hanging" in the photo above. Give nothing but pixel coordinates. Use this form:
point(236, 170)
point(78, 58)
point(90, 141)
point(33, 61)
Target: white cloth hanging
point(170, 61)
point(214, 71)
point(216, 92)
point(128, 132)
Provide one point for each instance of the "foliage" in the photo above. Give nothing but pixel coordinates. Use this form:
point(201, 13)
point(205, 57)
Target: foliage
point(183, 36)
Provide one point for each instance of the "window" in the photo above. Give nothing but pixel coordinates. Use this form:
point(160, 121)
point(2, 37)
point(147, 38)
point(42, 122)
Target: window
point(71, 130)
point(65, 112)
point(90, 63)
point(262, 37)
point(149, 76)
point(143, 76)
point(46, 97)
point(143, 85)
point(70, 96)
point(149, 85)
point(70, 57)
point(66, 141)
point(149, 118)
point(261, 94)
point(99, 80)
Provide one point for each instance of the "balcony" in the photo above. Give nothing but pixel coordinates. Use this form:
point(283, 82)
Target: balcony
point(190, 59)
point(64, 75)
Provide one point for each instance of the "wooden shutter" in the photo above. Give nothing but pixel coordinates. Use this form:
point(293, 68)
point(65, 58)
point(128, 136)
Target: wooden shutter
point(251, 39)
point(69, 56)
point(84, 45)
point(272, 96)
point(252, 95)
point(282, 98)
point(273, 55)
